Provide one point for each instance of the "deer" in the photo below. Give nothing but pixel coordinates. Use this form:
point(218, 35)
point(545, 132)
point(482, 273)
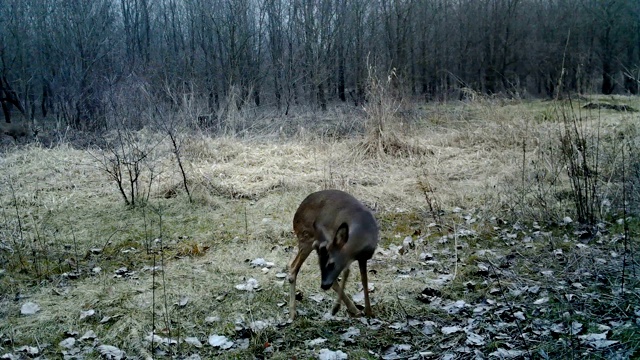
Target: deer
point(342, 230)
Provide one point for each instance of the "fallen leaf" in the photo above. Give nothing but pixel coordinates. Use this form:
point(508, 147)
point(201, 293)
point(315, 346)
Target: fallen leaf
point(454, 307)
point(597, 341)
point(157, 339)
point(67, 343)
point(183, 301)
point(9, 356)
point(358, 297)
point(29, 350)
point(557, 328)
point(373, 324)
point(448, 330)
point(475, 339)
point(519, 315)
point(349, 335)
point(400, 326)
point(428, 327)
point(314, 342)
point(89, 335)
point(260, 262)
point(29, 308)
point(250, 285)
point(506, 354)
point(426, 256)
point(258, 325)
point(326, 354)
point(111, 352)
point(390, 353)
point(576, 328)
point(86, 314)
point(193, 341)
point(541, 301)
point(407, 243)
point(220, 341)
point(242, 344)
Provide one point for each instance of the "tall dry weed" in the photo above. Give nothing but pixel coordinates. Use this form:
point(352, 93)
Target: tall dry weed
point(383, 124)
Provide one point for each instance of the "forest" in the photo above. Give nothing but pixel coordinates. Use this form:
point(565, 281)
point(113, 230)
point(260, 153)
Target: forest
point(79, 61)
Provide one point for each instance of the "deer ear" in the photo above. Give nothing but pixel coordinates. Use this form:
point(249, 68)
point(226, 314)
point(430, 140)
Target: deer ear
point(342, 235)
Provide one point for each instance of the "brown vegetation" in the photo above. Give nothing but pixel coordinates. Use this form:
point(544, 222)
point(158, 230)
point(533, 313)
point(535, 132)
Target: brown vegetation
point(17, 130)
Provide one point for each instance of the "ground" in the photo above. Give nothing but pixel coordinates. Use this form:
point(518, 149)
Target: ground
point(481, 255)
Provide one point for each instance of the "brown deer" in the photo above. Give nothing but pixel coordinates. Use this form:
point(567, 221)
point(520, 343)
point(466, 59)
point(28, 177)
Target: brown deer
point(341, 229)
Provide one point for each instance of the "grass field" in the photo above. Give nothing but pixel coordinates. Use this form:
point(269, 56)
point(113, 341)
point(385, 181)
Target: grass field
point(481, 254)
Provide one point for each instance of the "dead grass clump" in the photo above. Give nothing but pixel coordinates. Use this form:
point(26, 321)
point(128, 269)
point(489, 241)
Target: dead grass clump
point(384, 121)
point(496, 127)
point(260, 168)
point(204, 148)
point(392, 145)
point(169, 191)
point(192, 249)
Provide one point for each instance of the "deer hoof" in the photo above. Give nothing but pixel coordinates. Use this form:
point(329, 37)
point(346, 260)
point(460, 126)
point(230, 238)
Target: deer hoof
point(335, 309)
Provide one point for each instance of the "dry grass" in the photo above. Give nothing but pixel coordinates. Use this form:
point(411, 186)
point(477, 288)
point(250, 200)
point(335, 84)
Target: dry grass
point(246, 191)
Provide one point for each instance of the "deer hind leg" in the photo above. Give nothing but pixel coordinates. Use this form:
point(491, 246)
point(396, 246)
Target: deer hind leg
point(365, 287)
point(342, 297)
point(304, 249)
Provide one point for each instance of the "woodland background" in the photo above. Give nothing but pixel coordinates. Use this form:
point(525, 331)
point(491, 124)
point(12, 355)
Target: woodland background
point(86, 61)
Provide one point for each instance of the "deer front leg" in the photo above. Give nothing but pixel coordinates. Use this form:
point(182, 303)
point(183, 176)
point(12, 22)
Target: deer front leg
point(303, 254)
point(365, 287)
point(342, 297)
